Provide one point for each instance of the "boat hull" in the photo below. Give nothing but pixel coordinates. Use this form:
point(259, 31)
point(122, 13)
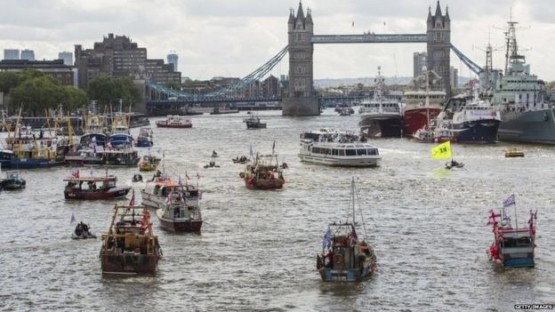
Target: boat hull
point(164, 125)
point(536, 127)
point(251, 125)
point(128, 263)
point(341, 161)
point(144, 142)
point(345, 275)
point(120, 140)
point(12, 185)
point(76, 194)
point(479, 132)
point(385, 127)
point(176, 225)
point(33, 163)
point(260, 184)
point(417, 118)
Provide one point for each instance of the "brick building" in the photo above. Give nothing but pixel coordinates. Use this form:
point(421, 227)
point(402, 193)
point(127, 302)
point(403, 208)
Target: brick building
point(119, 56)
point(56, 68)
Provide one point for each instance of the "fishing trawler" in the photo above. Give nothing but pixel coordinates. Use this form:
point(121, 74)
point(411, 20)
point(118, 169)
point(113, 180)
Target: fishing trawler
point(144, 139)
point(130, 246)
point(526, 115)
point(119, 134)
point(264, 173)
point(512, 246)
point(344, 257)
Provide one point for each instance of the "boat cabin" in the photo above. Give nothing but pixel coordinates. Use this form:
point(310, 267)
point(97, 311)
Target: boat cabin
point(346, 150)
point(91, 183)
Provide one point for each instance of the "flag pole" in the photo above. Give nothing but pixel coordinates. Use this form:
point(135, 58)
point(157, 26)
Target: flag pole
point(516, 219)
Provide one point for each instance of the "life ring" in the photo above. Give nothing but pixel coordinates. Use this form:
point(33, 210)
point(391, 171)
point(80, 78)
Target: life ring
point(242, 174)
point(338, 259)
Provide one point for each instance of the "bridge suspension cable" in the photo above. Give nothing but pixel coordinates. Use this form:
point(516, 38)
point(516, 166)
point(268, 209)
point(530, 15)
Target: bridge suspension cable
point(468, 62)
point(256, 75)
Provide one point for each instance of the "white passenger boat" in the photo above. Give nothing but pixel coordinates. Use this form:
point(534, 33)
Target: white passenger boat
point(338, 148)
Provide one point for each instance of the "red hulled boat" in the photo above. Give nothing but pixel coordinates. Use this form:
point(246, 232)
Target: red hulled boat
point(264, 173)
point(92, 187)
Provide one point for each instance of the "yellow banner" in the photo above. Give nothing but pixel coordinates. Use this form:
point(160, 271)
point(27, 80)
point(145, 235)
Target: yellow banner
point(442, 151)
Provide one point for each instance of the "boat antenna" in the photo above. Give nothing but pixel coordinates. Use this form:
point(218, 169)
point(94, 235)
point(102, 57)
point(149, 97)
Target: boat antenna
point(353, 197)
point(361, 215)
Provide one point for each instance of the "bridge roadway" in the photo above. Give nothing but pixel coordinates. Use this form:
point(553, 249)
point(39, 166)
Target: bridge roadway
point(241, 104)
point(371, 38)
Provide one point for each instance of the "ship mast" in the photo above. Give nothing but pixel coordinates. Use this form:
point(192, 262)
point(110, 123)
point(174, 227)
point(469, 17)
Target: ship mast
point(353, 197)
point(511, 54)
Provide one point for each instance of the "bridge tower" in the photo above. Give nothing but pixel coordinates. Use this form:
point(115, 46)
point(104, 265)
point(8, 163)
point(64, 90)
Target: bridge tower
point(438, 30)
point(300, 98)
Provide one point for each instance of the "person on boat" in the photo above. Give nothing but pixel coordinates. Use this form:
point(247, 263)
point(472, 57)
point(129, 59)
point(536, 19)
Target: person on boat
point(79, 229)
point(328, 259)
point(214, 154)
point(84, 227)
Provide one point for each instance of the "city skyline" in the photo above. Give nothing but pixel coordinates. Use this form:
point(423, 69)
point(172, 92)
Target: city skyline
point(232, 39)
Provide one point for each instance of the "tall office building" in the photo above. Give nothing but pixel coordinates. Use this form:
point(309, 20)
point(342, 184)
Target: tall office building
point(418, 62)
point(119, 56)
point(172, 59)
point(28, 55)
point(11, 54)
point(67, 57)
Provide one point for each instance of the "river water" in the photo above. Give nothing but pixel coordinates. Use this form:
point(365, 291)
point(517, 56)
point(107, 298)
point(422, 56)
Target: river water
point(257, 248)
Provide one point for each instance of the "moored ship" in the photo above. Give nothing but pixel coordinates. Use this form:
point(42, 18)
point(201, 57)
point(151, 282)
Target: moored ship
point(421, 107)
point(464, 120)
point(520, 96)
point(380, 116)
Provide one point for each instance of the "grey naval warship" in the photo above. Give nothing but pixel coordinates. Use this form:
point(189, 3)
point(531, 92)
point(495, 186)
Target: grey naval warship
point(521, 98)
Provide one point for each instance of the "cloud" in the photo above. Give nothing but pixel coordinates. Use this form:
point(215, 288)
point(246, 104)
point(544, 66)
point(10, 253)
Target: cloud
point(233, 38)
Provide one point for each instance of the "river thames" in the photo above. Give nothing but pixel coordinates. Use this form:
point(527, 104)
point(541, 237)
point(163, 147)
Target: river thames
point(257, 250)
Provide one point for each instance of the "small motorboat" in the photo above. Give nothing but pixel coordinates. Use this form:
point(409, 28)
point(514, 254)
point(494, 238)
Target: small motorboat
point(453, 164)
point(82, 231)
point(241, 160)
point(137, 178)
point(212, 164)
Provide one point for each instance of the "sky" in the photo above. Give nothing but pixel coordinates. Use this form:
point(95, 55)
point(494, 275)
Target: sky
point(232, 38)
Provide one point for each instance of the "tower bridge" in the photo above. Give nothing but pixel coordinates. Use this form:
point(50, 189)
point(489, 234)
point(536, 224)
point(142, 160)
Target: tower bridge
point(371, 38)
point(299, 97)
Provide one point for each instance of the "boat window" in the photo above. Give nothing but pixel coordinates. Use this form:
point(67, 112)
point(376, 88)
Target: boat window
point(156, 189)
point(361, 152)
point(351, 152)
point(334, 152)
point(341, 152)
point(372, 151)
point(520, 242)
